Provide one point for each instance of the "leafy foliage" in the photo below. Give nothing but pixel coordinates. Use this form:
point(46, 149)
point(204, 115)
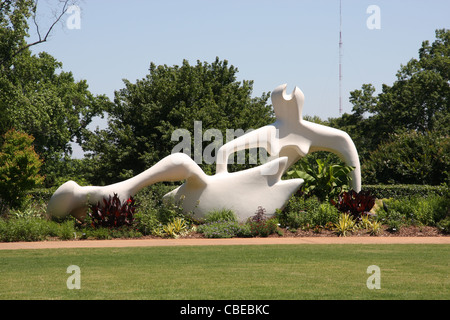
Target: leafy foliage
point(222, 229)
point(220, 215)
point(415, 210)
point(19, 168)
point(112, 213)
point(306, 213)
point(30, 224)
point(444, 225)
point(357, 204)
point(325, 179)
point(410, 158)
point(405, 190)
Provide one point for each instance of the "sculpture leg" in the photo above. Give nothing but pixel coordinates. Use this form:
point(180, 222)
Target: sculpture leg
point(70, 198)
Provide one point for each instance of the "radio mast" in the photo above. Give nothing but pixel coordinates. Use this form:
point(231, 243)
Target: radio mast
point(340, 56)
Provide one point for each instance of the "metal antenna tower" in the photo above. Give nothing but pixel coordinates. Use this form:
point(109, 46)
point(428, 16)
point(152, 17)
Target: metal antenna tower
point(340, 56)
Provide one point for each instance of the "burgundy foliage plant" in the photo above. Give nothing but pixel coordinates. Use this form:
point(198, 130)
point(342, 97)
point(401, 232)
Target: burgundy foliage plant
point(113, 213)
point(355, 203)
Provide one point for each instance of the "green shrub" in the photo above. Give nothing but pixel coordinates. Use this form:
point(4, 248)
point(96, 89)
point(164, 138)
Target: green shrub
point(444, 225)
point(405, 190)
point(292, 219)
point(305, 213)
point(147, 223)
point(220, 215)
point(152, 196)
point(23, 229)
point(431, 210)
point(409, 158)
point(19, 168)
point(294, 214)
point(323, 215)
point(222, 229)
point(99, 233)
point(104, 233)
point(169, 210)
point(414, 210)
point(323, 178)
point(41, 195)
point(65, 230)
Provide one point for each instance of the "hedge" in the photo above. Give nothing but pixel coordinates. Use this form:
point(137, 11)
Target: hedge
point(405, 190)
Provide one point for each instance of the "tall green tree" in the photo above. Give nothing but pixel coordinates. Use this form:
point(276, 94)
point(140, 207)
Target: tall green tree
point(417, 102)
point(36, 96)
point(146, 113)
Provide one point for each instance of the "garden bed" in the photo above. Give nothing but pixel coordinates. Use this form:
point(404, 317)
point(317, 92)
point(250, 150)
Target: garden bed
point(407, 231)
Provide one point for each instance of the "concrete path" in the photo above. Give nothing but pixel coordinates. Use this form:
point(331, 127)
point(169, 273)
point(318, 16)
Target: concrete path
point(209, 242)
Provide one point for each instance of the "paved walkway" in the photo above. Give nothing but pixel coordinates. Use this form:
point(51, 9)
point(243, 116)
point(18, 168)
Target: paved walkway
point(208, 242)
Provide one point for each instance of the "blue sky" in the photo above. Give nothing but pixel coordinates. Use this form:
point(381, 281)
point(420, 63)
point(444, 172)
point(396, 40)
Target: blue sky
point(270, 42)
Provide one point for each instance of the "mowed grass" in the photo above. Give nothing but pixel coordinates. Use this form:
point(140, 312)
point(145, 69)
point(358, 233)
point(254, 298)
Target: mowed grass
point(288, 272)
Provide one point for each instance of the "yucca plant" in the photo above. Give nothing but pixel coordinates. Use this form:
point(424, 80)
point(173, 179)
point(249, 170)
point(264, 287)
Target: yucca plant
point(112, 213)
point(345, 224)
point(179, 225)
point(372, 226)
point(375, 227)
point(174, 228)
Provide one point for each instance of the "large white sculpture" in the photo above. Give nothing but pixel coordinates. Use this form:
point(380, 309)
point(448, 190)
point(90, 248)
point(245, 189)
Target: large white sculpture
point(287, 140)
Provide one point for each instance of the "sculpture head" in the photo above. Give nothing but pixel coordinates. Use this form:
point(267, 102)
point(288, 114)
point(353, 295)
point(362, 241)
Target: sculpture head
point(62, 200)
point(287, 107)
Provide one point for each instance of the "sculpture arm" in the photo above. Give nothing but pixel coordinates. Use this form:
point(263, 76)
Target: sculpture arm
point(263, 137)
point(338, 142)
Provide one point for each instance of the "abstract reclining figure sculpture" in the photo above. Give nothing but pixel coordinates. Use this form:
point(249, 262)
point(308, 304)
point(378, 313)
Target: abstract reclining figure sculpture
point(287, 140)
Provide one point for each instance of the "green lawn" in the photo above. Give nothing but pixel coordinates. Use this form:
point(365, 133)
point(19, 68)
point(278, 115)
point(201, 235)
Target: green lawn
point(292, 272)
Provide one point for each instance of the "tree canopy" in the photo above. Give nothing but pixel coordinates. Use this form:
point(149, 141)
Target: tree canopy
point(36, 95)
point(418, 102)
point(144, 114)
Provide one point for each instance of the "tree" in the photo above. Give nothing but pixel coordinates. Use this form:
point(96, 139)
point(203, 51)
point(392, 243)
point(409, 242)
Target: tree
point(416, 106)
point(420, 97)
point(14, 27)
point(146, 113)
point(36, 97)
point(419, 100)
point(51, 106)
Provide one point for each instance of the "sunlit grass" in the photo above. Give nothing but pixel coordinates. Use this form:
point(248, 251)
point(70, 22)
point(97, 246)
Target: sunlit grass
point(289, 272)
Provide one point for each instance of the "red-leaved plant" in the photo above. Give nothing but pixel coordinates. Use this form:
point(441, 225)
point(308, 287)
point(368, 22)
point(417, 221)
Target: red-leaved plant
point(260, 225)
point(355, 203)
point(112, 213)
